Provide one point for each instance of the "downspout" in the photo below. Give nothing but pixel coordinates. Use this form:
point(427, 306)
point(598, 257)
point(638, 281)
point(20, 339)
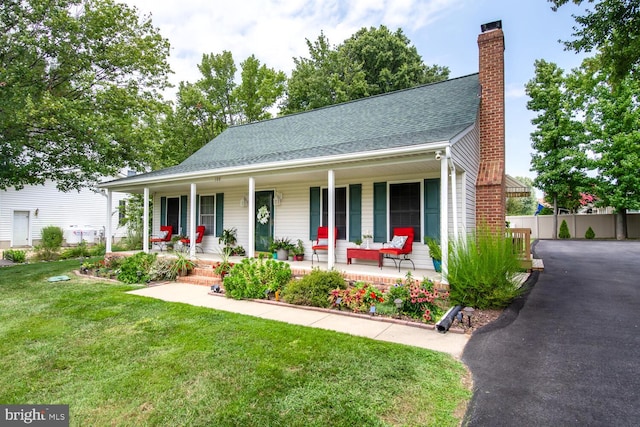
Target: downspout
point(454, 197)
point(444, 213)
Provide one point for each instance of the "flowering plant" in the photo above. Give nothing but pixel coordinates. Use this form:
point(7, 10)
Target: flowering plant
point(358, 298)
point(367, 235)
point(420, 299)
point(263, 214)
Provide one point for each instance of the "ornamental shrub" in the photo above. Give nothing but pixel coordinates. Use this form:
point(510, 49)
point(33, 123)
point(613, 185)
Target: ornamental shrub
point(136, 268)
point(80, 251)
point(51, 237)
point(15, 255)
point(51, 241)
point(253, 278)
point(589, 234)
point(564, 230)
point(314, 288)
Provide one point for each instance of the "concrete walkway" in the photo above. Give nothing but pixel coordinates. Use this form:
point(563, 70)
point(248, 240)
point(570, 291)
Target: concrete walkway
point(452, 343)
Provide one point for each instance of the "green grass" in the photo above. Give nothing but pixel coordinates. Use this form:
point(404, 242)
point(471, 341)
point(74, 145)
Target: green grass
point(120, 359)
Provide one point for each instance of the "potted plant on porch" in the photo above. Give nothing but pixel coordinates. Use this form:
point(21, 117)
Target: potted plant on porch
point(282, 246)
point(182, 265)
point(434, 252)
point(224, 266)
point(298, 251)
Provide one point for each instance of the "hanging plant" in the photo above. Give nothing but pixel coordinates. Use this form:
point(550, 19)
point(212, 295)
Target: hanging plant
point(263, 214)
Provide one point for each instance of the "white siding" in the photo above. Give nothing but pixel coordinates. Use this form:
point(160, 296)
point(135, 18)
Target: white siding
point(57, 208)
point(291, 217)
point(466, 156)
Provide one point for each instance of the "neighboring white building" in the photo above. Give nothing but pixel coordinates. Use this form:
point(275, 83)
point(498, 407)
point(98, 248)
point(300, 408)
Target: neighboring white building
point(24, 213)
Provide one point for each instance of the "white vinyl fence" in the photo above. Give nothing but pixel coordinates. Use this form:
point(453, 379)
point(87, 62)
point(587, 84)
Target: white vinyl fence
point(603, 225)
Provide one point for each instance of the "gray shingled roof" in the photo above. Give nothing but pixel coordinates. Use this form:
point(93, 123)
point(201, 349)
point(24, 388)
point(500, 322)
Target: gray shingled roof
point(420, 115)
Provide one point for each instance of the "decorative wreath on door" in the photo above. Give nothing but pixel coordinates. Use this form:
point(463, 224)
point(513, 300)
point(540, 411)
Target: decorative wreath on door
point(263, 214)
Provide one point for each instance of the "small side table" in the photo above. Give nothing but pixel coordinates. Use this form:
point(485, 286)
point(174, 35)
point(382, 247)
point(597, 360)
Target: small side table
point(359, 253)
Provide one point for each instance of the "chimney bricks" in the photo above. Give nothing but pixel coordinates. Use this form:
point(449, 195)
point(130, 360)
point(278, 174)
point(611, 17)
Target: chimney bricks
point(490, 190)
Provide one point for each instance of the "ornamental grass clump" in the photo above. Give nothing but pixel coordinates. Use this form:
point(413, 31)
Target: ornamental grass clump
point(482, 270)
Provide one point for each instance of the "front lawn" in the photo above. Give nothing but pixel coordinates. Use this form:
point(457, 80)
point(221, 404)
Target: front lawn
point(120, 359)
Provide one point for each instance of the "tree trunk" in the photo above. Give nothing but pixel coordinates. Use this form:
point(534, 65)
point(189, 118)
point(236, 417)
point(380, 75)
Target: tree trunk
point(621, 224)
point(555, 217)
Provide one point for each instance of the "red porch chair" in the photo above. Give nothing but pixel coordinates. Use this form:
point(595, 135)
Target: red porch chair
point(322, 242)
point(161, 240)
point(400, 246)
point(199, 235)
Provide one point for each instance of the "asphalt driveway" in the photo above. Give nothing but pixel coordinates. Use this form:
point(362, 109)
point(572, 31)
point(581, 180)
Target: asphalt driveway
point(568, 353)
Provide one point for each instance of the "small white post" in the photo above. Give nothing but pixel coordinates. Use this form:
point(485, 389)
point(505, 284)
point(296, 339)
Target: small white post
point(251, 218)
point(107, 228)
point(145, 221)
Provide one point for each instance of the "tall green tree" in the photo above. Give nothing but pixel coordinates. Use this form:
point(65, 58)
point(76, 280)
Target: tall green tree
point(79, 87)
point(217, 85)
point(612, 28)
point(259, 90)
point(523, 205)
point(216, 101)
point(388, 60)
point(324, 78)
point(186, 127)
point(372, 61)
point(612, 120)
point(559, 157)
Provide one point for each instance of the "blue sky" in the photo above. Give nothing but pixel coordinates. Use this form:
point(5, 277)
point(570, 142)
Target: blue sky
point(444, 32)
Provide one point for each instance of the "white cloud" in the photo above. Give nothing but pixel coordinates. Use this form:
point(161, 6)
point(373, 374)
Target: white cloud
point(273, 30)
point(515, 90)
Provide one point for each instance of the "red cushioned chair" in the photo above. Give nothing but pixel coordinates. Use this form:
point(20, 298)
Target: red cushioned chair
point(322, 242)
point(163, 238)
point(399, 248)
point(199, 235)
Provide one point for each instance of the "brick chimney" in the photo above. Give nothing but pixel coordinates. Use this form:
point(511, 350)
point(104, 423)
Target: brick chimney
point(490, 185)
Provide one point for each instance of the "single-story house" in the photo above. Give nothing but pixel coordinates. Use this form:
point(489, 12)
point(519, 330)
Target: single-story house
point(430, 157)
point(80, 214)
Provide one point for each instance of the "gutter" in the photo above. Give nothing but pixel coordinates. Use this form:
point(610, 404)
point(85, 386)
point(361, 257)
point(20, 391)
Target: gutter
point(283, 165)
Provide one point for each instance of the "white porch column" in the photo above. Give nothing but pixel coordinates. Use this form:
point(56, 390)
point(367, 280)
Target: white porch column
point(454, 200)
point(444, 213)
point(251, 218)
point(331, 254)
point(145, 221)
point(107, 228)
point(192, 221)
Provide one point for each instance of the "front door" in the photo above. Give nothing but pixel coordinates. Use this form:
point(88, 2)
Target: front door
point(21, 228)
point(173, 214)
point(264, 220)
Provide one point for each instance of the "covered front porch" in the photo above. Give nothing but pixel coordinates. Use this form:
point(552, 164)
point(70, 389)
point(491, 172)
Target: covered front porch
point(421, 188)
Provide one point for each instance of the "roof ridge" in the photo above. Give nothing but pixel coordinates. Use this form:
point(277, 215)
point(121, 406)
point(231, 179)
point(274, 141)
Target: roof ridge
point(351, 101)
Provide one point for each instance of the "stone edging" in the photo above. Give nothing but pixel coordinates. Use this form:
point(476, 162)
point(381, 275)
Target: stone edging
point(350, 314)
